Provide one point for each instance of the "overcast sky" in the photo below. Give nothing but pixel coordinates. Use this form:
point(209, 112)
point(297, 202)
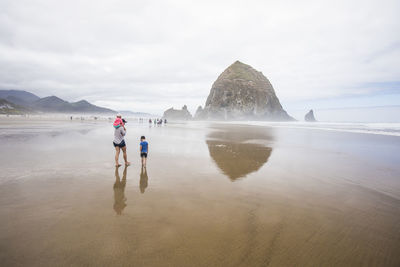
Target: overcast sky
point(151, 55)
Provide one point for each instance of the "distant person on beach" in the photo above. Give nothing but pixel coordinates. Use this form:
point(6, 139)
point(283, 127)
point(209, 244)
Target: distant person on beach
point(119, 141)
point(144, 149)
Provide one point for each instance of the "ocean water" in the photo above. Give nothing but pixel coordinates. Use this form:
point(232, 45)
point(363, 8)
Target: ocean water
point(351, 114)
point(392, 129)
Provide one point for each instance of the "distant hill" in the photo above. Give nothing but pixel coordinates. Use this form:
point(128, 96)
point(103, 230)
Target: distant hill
point(18, 97)
point(52, 104)
point(7, 107)
point(26, 102)
point(85, 106)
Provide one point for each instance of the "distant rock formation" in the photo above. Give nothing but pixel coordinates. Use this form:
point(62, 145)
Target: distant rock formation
point(310, 116)
point(176, 114)
point(242, 93)
point(200, 115)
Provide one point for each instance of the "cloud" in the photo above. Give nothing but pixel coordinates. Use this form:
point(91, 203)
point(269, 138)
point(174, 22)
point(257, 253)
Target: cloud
point(150, 55)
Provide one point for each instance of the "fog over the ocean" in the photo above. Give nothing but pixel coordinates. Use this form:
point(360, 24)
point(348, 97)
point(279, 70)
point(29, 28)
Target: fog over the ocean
point(151, 55)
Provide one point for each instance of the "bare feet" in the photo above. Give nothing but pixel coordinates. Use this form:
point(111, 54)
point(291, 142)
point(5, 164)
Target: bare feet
point(117, 165)
point(127, 163)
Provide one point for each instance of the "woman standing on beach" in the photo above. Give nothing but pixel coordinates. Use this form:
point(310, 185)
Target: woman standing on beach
point(119, 141)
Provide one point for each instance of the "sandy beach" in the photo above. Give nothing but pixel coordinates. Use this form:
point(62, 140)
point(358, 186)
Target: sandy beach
point(213, 194)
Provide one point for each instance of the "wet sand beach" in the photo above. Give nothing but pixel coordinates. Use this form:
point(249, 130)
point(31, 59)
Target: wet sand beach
point(213, 194)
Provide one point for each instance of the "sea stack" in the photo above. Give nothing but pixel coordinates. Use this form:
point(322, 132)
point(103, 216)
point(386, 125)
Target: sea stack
point(242, 93)
point(176, 114)
point(200, 115)
point(310, 116)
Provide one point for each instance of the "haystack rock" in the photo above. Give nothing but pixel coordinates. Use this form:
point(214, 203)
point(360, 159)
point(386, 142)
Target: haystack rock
point(242, 93)
point(310, 116)
point(177, 114)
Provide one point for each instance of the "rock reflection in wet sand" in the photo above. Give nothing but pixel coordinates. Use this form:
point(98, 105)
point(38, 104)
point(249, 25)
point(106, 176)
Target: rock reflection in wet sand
point(240, 152)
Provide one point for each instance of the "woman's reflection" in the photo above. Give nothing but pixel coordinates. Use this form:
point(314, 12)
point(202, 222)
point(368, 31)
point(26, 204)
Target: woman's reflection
point(119, 191)
point(143, 180)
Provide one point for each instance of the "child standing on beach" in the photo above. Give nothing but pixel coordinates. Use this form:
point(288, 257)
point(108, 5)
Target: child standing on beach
point(144, 149)
point(118, 121)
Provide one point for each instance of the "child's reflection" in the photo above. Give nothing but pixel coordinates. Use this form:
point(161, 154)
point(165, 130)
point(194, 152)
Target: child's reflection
point(143, 180)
